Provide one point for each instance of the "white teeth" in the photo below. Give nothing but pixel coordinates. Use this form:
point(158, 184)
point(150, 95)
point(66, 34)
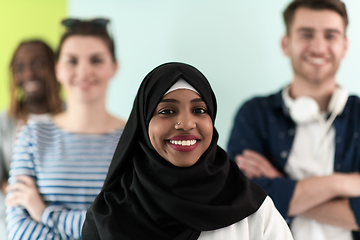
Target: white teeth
point(316, 61)
point(31, 86)
point(183, 142)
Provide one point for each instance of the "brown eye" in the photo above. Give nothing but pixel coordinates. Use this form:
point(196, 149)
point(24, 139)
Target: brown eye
point(72, 61)
point(19, 68)
point(96, 60)
point(329, 37)
point(200, 111)
point(166, 112)
point(307, 35)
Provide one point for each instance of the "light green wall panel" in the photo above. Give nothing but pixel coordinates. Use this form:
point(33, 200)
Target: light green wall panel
point(26, 19)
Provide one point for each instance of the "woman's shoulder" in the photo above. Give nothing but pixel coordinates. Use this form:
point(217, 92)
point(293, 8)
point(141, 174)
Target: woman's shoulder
point(268, 218)
point(39, 128)
point(6, 120)
point(267, 208)
point(265, 224)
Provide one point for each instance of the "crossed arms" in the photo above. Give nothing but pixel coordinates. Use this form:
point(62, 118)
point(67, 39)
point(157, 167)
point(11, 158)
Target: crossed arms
point(262, 130)
point(325, 199)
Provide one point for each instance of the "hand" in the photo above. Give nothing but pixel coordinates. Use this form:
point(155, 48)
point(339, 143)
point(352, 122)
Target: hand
point(26, 193)
point(347, 184)
point(336, 212)
point(3, 186)
point(255, 165)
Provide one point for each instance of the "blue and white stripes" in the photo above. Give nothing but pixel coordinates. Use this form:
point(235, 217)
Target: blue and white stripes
point(69, 170)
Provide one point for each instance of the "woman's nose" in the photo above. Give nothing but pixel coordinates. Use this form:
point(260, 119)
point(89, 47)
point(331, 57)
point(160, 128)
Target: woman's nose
point(185, 122)
point(83, 71)
point(28, 73)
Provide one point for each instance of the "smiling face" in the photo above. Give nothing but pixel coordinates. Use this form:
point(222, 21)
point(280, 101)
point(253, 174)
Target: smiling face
point(84, 68)
point(30, 69)
point(316, 45)
point(181, 144)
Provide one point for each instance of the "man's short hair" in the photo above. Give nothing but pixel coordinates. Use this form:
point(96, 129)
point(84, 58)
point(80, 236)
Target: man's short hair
point(334, 5)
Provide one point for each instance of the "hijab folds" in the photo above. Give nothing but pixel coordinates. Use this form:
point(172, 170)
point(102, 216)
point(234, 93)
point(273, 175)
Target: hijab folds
point(146, 197)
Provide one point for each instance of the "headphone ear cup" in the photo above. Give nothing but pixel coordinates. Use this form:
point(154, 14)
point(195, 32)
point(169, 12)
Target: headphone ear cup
point(338, 100)
point(304, 109)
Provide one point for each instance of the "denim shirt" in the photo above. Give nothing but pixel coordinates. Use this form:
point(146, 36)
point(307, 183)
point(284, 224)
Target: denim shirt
point(263, 124)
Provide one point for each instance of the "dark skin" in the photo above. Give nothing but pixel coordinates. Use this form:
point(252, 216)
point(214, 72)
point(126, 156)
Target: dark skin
point(30, 71)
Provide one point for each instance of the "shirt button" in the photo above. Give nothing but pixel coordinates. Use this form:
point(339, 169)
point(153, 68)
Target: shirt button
point(338, 139)
point(291, 132)
point(281, 135)
point(356, 134)
point(284, 154)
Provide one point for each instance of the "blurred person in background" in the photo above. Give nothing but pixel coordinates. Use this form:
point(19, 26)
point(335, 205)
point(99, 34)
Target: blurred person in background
point(35, 95)
point(301, 144)
point(59, 167)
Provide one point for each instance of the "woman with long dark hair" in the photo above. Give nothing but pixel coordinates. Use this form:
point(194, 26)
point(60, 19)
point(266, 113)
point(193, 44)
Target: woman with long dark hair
point(34, 95)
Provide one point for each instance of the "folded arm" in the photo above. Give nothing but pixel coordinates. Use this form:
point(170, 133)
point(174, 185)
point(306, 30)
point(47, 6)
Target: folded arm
point(313, 197)
point(336, 212)
point(314, 191)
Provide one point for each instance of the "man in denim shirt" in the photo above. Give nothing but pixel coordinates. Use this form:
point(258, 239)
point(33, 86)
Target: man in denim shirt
point(302, 143)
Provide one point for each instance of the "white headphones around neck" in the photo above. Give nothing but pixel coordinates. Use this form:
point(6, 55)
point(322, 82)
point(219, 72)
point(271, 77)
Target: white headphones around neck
point(305, 109)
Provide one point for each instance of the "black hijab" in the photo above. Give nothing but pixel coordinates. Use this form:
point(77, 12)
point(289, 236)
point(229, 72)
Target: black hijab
point(146, 197)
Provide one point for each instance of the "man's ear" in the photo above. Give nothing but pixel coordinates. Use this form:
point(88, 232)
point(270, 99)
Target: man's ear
point(285, 45)
point(346, 45)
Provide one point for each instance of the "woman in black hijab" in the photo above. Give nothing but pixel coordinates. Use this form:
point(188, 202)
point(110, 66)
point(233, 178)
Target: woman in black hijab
point(168, 178)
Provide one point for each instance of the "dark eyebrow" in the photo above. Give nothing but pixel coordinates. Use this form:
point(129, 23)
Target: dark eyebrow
point(197, 100)
point(328, 30)
point(305, 29)
point(171, 100)
point(96, 54)
point(70, 55)
point(36, 57)
point(331, 30)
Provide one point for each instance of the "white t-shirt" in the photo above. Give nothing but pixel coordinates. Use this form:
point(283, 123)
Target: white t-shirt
point(311, 156)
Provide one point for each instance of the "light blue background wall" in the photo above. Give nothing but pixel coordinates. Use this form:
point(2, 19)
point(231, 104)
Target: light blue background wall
point(236, 44)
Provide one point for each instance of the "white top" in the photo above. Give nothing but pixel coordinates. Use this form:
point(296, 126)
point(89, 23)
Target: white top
point(311, 156)
point(265, 224)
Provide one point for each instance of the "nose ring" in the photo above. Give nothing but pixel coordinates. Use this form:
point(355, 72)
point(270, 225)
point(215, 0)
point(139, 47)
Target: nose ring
point(178, 123)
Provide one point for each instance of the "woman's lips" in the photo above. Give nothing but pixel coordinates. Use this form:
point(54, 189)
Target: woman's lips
point(183, 143)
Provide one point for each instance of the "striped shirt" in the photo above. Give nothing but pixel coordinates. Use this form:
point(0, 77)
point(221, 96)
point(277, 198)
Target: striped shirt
point(69, 170)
